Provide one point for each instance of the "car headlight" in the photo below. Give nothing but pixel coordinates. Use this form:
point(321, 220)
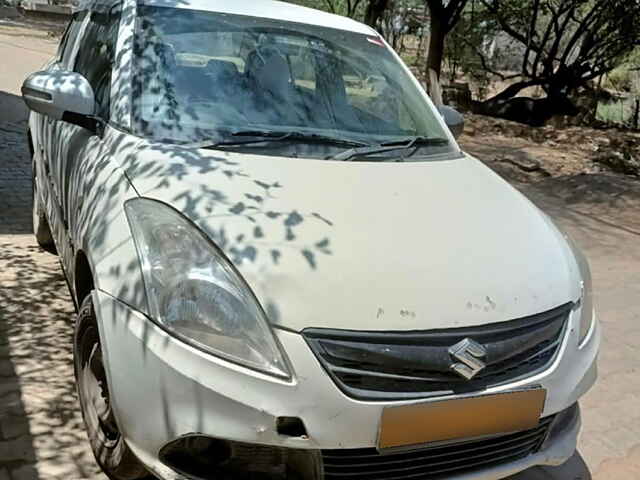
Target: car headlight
point(195, 293)
point(585, 304)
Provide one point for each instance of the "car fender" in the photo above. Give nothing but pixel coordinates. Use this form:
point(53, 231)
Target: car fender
point(99, 227)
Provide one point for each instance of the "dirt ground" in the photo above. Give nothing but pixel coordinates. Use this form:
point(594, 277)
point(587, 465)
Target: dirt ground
point(41, 434)
point(527, 155)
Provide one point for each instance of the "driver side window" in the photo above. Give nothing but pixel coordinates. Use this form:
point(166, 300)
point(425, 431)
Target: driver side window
point(96, 56)
point(65, 50)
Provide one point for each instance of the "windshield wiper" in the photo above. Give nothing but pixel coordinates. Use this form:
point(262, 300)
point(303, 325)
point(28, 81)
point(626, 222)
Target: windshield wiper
point(404, 144)
point(262, 136)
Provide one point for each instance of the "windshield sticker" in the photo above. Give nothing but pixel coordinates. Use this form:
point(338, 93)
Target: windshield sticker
point(376, 41)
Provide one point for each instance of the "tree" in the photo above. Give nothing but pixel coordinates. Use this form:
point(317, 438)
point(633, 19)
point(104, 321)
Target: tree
point(469, 35)
point(444, 15)
point(374, 11)
point(566, 44)
point(347, 8)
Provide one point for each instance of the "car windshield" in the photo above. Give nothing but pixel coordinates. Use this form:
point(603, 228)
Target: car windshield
point(211, 77)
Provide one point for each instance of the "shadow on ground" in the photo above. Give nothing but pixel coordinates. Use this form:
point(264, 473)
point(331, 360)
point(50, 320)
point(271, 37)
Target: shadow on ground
point(511, 162)
point(41, 431)
point(599, 210)
point(574, 469)
point(17, 454)
point(15, 167)
point(41, 401)
point(12, 107)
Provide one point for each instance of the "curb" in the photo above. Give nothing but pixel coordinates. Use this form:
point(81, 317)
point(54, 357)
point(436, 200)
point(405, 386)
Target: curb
point(39, 7)
point(9, 12)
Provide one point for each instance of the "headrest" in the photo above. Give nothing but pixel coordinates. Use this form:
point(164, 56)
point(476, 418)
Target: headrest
point(270, 70)
point(221, 69)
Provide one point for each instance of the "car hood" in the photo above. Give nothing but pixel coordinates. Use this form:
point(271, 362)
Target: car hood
point(364, 245)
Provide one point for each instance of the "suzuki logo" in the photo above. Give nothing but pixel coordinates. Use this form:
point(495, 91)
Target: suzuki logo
point(468, 354)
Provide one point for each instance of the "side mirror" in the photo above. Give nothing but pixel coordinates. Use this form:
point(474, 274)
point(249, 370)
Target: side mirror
point(61, 95)
point(453, 119)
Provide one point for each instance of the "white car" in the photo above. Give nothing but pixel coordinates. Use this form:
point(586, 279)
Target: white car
point(283, 263)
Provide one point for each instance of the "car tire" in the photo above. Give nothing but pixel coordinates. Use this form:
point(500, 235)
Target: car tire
point(109, 448)
point(41, 228)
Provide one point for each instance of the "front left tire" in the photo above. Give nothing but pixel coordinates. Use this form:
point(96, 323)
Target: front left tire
point(41, 229)
point(108, 445)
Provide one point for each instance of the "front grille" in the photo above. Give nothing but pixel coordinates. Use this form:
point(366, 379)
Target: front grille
point(435, 462)
point(403, 365)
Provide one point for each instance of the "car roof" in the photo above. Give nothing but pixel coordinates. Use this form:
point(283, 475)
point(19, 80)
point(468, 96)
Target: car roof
point(254, 8)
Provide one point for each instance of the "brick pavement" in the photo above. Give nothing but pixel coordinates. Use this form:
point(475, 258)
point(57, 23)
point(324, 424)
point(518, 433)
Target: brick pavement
point(41, 430)
point(15, 180)
point(42, 436)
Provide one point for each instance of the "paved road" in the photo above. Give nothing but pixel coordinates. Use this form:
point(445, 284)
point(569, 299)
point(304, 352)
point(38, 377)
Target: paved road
point(602, 214)
point(41, 433)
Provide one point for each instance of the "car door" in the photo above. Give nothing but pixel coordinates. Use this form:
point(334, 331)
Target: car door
point(74, 144)
point(44, 144)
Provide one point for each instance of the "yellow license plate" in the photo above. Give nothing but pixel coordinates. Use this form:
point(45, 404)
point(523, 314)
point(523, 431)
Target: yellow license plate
point(468, 417)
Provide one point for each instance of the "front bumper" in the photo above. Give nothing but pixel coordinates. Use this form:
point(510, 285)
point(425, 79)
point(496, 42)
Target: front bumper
point(163, 389)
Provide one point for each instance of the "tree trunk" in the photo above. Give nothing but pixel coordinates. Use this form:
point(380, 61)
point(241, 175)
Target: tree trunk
point(374, 11)
point(435, 54)
point(530, 111)
point(421, 48)
point(511, 91)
